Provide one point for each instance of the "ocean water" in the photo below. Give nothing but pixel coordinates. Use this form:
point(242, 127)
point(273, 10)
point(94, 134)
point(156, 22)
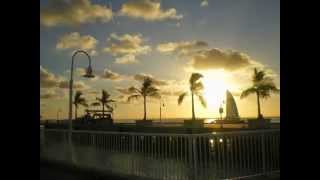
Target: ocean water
point(180, 120)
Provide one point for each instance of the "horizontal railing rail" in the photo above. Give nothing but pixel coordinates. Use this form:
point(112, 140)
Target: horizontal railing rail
point(215, 155)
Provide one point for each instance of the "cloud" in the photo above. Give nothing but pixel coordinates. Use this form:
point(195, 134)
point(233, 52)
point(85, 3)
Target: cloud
point(75, 41)
point(140, 77)
point(148, 10)
point(171, 92)
point(51, 94)
point(125, 91)
point(76, 85)
point(126, 47)
point(220, 59)
point(73, 12)
point(50, 80)
point(182, 47)
point(127, 59)
point(204, 3)
point(47, 79)
point(110, 75)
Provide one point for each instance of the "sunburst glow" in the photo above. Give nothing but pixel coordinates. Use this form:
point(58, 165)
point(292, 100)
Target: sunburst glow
point(216, 84)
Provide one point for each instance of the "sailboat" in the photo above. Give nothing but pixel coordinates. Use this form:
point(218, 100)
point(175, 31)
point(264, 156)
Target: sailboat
point(232, 114)
point(231, 108)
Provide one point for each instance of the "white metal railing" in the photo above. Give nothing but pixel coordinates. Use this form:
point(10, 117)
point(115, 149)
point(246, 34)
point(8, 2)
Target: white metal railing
point(168, 156)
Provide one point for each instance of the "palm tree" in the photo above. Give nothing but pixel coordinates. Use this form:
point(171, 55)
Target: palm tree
point(262, 86)
point(105, 101)
point(95, 104)
point(196, 88)
point(147, 89)
point(79, 100)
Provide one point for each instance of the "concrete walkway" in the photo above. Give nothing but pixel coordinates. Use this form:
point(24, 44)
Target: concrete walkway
point(53, 171)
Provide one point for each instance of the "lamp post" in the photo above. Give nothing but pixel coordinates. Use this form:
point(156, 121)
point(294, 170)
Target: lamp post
point(87, 75)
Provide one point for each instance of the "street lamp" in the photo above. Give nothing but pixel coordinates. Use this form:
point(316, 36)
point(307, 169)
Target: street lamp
point(87, 75)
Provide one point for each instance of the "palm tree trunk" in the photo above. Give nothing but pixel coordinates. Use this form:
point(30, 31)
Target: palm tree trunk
point(103, 110)
point(258, 101)
point(145, 108)
point(193, 114)
point(75, 112)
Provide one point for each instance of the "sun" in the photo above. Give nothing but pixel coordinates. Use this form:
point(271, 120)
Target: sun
point(215, 86)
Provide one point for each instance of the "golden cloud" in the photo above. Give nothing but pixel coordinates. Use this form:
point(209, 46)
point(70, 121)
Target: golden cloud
point(73, 12)
point(182, 47)
point(126, 47)
point(75, 41)
point(108, 74)
point(50, 80)
point(148, 10)
point(47, 79)
point(51, 93)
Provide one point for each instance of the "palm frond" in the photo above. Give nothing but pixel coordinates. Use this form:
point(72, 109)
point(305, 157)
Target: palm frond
point(134, 96)
point(109, 107)
point(266, 89)
point(146, 83)
point(195, 77)
point(133, 89)
point(198, 86)
point(258, 76)
point(110, 101)
point(247, 92)
point(155, 95)
point(95, 104)
point(181, 97)
point(202, 100)
point(151, 90)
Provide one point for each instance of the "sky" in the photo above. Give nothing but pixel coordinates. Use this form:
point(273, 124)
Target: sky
point(166, 40)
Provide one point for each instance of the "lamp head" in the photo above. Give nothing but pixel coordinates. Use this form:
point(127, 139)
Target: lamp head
point(89, 73)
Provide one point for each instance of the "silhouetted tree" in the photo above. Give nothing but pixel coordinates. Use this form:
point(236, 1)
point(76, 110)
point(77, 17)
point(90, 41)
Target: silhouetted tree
point(79, 100)
point(262, 86)
point(196, 88)
point(147, 89)
point(105, 101)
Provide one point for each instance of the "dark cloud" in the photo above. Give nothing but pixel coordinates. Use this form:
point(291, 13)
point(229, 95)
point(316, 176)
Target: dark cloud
point(219, 59)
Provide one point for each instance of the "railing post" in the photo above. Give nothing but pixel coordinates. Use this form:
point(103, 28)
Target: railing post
point(132, 152)
point(263, 153)
point(193, 157)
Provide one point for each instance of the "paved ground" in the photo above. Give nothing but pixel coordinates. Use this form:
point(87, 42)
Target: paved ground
point(53, 171)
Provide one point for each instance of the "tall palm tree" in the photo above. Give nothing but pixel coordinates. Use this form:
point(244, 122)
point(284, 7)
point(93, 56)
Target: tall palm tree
point(262, 86)
point(79, 100)
point(196, 88)
point(147, 89)
point(105, 101)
